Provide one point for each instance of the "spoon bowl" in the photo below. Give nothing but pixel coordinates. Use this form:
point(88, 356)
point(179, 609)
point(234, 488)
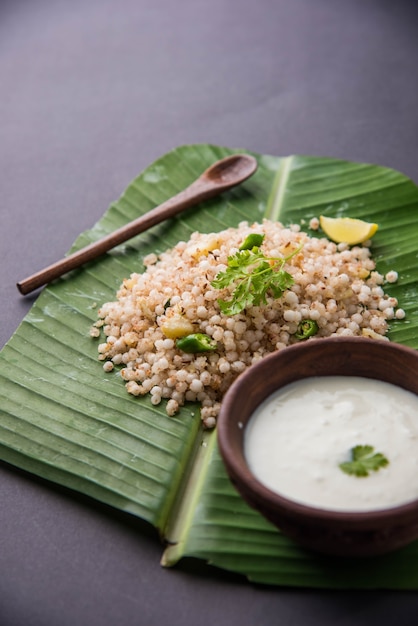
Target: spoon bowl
point(230, 170)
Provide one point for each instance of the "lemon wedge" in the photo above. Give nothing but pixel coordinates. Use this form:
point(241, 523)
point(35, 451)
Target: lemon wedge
point(347, 229)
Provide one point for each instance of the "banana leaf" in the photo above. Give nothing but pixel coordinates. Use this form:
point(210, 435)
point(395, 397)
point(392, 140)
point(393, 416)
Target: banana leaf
point(63, 419)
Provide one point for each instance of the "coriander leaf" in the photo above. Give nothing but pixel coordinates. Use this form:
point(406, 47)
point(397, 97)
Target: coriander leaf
point(253, 276)
point(364, 461)
point(280, 281)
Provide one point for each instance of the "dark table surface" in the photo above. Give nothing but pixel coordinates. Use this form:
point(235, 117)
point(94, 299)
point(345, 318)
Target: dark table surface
point(91, 92)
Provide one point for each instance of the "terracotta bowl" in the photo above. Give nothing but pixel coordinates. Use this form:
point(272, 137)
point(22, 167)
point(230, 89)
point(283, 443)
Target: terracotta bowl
point(332, 532)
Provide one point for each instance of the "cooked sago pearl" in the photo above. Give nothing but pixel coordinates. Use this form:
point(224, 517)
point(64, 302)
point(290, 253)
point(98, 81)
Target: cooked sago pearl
point(210, 422)
point(391, 276)
point(223, 366)
point(400, 314)
point(108, 366)
point(205, 378)
point(133, 388)
point(291, 316)
point(384, 304)
point(202, 312)
point(182, 375)
point(196, 385)
point(172, 407)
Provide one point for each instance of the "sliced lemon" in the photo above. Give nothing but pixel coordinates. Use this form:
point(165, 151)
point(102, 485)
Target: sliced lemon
point(347, 229)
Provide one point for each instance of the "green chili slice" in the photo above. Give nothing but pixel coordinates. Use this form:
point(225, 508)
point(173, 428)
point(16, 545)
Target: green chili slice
point(197, 342)
point(254, 240)
point(306, 328)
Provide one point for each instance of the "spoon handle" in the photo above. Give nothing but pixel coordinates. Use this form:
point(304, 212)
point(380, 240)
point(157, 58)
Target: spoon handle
point(200, 190)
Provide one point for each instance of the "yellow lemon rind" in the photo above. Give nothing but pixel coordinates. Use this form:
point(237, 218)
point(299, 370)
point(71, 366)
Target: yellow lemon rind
point(347, 229)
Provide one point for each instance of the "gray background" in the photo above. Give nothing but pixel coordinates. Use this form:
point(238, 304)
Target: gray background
point(91, 92)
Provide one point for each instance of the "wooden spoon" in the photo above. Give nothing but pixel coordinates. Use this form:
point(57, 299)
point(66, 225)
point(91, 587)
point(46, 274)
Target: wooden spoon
point(220, 176)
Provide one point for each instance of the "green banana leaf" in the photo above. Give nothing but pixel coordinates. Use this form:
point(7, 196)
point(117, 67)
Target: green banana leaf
point(64, 419)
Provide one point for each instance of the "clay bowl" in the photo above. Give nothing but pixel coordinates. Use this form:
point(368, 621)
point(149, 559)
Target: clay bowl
point(354, 534)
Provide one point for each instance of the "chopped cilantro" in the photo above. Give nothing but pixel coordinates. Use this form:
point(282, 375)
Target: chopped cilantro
point(364, 461)
point(253, 276)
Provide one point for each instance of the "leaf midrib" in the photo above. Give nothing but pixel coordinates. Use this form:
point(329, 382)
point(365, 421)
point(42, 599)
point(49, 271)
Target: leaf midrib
point(276, 199)
point(180, 521)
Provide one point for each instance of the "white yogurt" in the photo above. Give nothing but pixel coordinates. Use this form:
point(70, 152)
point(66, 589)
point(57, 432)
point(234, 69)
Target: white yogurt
point(296, 440)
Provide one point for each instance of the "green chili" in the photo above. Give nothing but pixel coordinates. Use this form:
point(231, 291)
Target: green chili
point(306, 328)
point(254, 240)
point(197, 342)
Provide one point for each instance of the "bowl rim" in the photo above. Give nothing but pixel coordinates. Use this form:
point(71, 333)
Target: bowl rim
point(236, 465)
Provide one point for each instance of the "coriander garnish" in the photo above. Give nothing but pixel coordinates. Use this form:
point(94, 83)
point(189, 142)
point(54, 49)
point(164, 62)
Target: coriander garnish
point(364, 461)
point(253, 275)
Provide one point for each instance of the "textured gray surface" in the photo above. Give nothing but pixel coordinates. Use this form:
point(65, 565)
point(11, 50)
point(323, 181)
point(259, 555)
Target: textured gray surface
point(92, 91)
